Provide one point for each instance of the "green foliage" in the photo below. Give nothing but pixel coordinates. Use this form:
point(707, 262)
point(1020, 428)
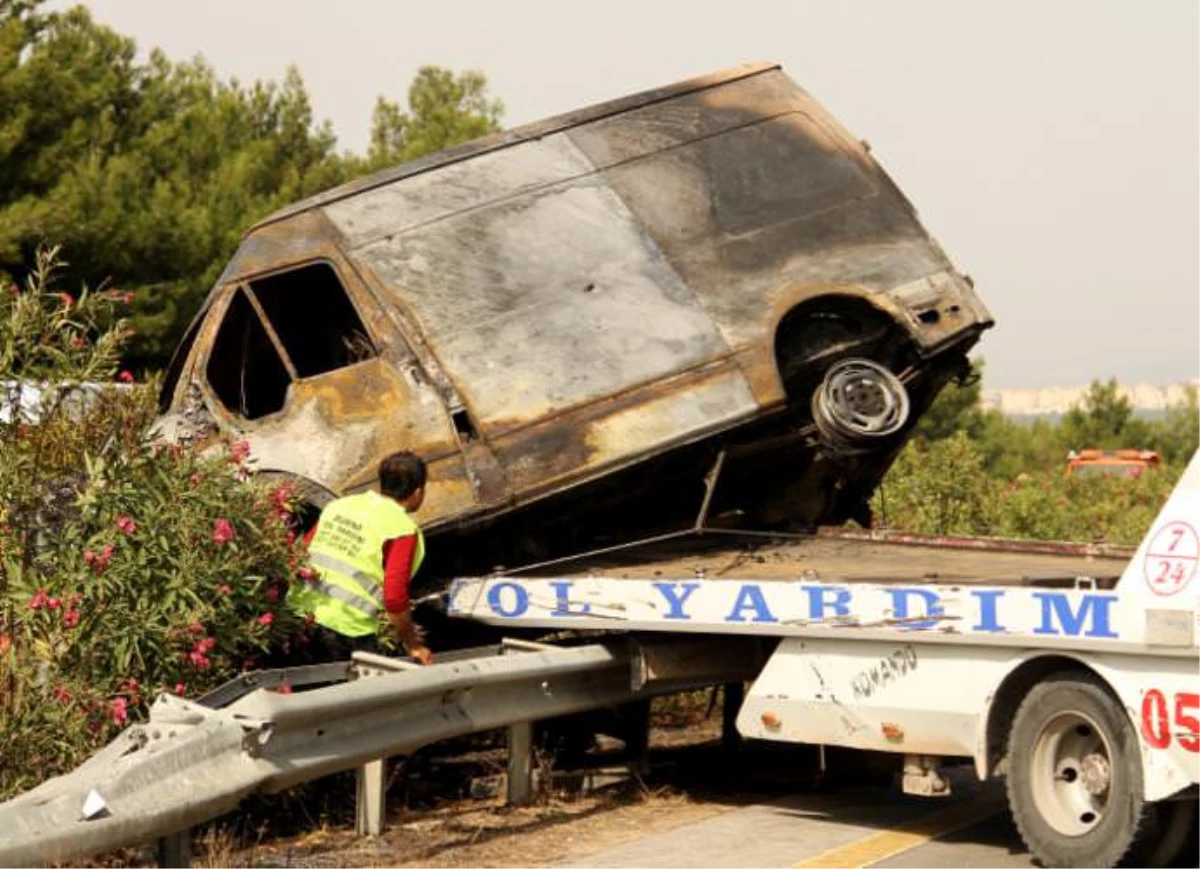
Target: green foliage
point(154, 170)
point(942, 488)
point(920, 495)
point(973, 472)
point(1104, 419)
point(444, 110)
point(956, 408)
point(1175, 437)
point(126, 568)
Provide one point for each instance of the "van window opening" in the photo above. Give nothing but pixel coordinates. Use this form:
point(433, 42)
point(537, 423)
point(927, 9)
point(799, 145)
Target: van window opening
point(310, 312)
point(244, 369)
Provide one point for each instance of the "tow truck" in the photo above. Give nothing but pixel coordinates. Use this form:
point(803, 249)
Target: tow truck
point(1070, 670)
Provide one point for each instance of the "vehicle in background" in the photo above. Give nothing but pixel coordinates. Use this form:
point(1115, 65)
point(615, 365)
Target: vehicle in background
point(1112, 463)
point(25, 400)
point(575, 321)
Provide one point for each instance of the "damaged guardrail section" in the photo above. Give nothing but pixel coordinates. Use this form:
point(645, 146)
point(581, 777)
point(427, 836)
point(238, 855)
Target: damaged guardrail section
point(191, 763)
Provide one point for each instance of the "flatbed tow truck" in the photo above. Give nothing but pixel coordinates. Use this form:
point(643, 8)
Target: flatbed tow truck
point(1071, 670)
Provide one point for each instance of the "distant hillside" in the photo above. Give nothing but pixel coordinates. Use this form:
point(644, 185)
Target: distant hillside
point(1052, 402)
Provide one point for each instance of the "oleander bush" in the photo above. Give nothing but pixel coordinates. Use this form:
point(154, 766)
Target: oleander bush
point(127, 567)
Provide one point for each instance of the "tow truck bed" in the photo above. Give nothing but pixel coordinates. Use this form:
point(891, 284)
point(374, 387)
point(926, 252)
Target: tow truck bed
point(850, 556)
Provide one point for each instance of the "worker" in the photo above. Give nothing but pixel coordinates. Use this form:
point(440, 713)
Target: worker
point(363, 553)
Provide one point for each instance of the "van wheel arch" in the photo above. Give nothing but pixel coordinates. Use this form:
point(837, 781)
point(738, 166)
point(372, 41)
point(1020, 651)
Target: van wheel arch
point(821, 330)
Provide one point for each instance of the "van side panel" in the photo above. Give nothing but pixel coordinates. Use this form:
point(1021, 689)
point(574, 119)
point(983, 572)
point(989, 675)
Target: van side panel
point(751, 189)
point(536, 302)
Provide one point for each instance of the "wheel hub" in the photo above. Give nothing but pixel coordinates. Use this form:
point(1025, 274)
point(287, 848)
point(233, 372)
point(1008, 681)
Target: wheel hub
point(859, 405)
point(1095, 774)
point(1072, 773)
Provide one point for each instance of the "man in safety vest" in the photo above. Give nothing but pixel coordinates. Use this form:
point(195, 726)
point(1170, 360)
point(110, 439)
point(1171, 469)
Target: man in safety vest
point(363, 552)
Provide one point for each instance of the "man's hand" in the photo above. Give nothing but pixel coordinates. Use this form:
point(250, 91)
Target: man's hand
point(411, 636)
point(422, 654)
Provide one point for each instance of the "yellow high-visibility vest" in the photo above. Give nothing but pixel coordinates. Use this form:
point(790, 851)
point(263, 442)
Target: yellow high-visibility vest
point(347, 554)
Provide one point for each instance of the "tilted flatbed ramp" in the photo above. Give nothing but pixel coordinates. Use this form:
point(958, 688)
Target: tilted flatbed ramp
point(851, 556)
point(865, 586)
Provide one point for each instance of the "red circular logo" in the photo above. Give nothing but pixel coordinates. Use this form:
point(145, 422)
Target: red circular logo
point(1171, 558)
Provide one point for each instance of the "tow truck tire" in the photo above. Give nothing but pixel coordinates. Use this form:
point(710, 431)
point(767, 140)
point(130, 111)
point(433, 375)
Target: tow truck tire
point(1075, 773)
point(1171, 832)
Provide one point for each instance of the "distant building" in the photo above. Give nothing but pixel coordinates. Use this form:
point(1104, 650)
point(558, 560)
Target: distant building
point(1057, 400)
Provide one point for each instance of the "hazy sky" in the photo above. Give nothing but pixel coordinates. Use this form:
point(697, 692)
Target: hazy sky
point(1052, 148)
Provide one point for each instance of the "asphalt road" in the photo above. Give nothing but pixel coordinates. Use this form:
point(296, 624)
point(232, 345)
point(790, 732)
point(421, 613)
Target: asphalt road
point(862, 826)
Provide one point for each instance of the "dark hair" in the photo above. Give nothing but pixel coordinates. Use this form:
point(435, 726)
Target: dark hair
point(401, 474)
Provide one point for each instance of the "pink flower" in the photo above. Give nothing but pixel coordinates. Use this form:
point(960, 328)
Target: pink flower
point(76, 343)
point(118, 708)
point(66, 299)
point(206, 645)
point(131, 685)
point(266, 619)
point(97, 561)
point(196, 478)
point(125, 377)
point(224, 589)
point(62, 694)
point(126, 525)
point(38, 599)
point(196, 628)
point(70, 618)
point(180, 688)
point(281, 506)
point(239, 451)
point(54, 603)
point(222, 532)
point(284, 688)
point(306, 573)
point(125, 297)
point(272, 593)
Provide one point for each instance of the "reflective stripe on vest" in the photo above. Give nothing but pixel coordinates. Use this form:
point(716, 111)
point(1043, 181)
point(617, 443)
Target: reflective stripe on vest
point(328, 562)
point(348, 598)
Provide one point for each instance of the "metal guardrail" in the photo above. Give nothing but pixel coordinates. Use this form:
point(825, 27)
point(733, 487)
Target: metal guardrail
point(191, 763)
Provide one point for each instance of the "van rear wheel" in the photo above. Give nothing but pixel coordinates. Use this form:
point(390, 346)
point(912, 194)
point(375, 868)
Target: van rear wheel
point(859, 405)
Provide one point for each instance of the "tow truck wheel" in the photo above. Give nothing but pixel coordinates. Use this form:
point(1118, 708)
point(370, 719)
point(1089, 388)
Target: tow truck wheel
point(1167, 832)
point(1075, 774)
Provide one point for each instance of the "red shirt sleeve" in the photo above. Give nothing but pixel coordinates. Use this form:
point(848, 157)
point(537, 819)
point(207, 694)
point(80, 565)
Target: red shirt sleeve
point(397, 571)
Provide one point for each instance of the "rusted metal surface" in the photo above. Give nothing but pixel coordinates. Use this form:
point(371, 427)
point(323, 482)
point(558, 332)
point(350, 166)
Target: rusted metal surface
point(634, 285)
point(838, 555)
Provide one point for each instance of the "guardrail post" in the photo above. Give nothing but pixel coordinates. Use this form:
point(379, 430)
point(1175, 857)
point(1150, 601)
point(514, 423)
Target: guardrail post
point(520, 763)
point(371, 798)
point(637, 742)
point(175, 849)
point(732, 696)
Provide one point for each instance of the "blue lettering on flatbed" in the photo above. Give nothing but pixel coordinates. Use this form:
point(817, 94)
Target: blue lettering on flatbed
point(979, 610)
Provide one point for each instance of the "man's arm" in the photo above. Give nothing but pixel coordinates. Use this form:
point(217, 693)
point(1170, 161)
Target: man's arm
point(397, 576)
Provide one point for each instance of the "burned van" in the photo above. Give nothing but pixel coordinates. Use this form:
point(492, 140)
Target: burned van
point(578, 322)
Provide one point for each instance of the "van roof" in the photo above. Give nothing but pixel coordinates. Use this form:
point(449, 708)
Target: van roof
point(507, 138)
